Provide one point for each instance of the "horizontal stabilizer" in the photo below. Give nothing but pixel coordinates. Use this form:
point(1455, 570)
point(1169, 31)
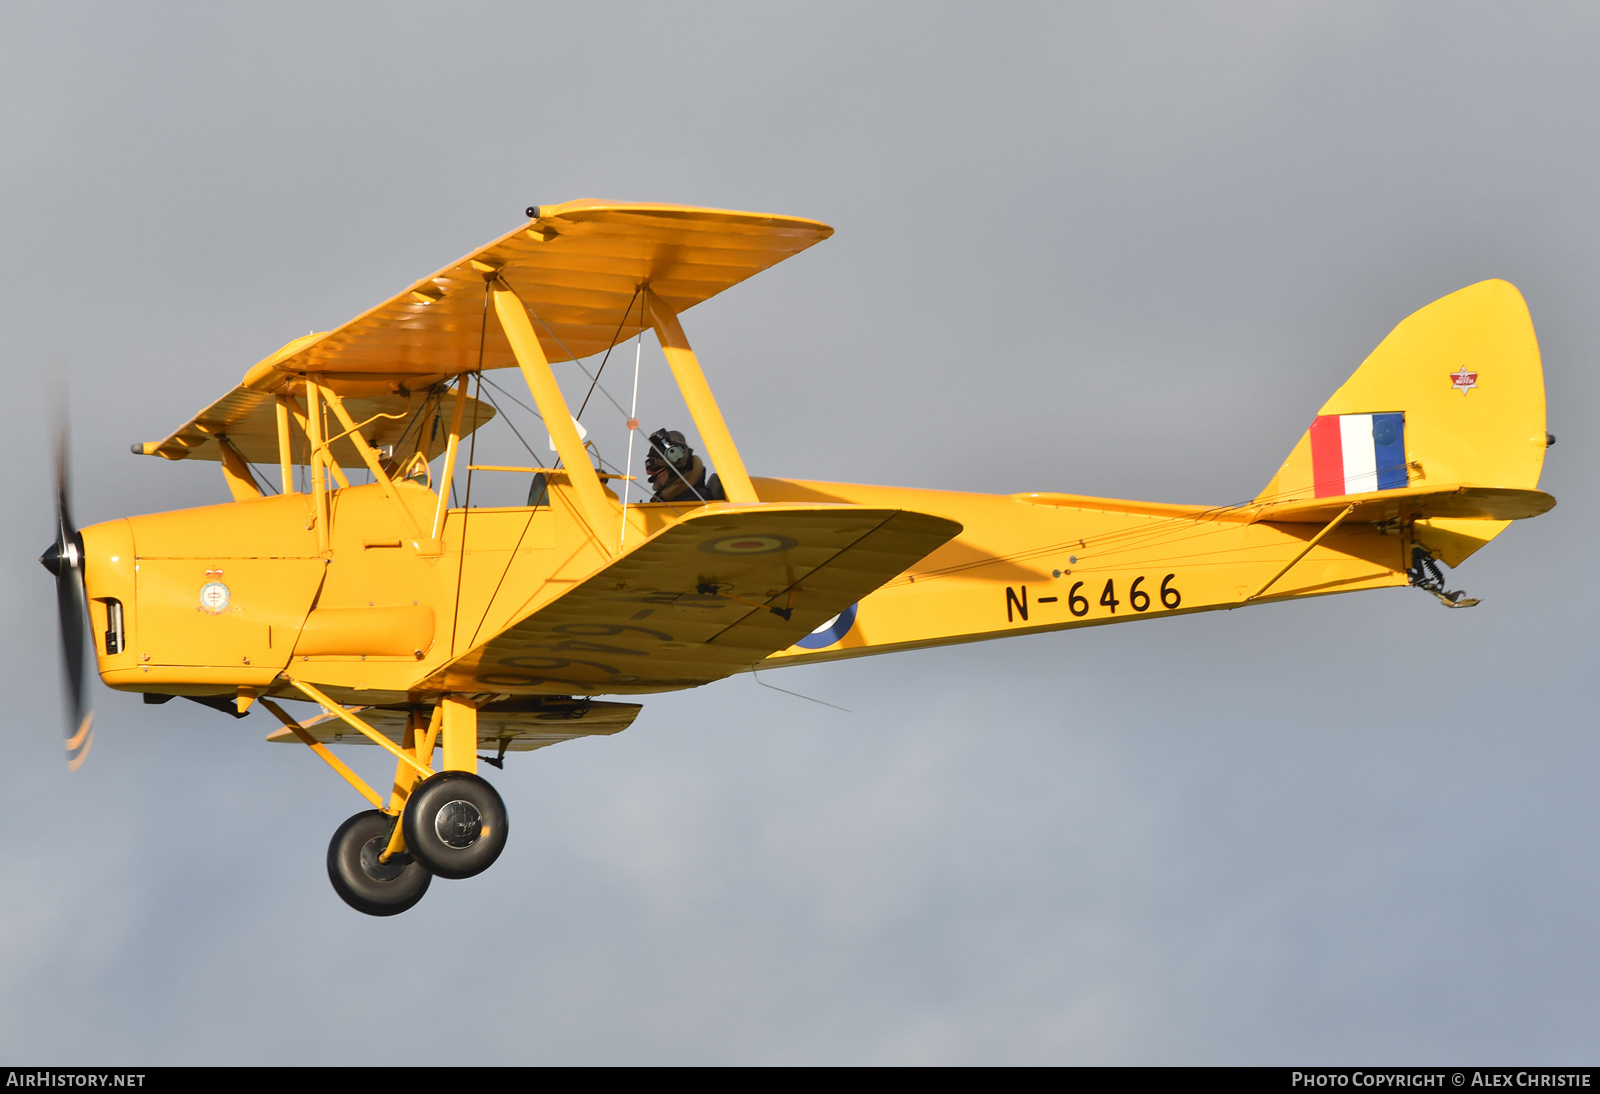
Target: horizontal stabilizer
point(1412, 503)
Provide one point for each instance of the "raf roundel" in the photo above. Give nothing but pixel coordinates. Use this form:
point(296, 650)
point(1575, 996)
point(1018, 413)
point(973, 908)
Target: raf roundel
point(748, 545)
point(831, 631)
point(214, 597)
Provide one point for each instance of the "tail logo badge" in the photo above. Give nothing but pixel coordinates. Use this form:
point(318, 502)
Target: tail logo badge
point(1463, 381)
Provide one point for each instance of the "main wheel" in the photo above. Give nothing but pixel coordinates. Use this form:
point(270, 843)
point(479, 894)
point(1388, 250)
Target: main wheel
point(455, 824)
point(363, 882)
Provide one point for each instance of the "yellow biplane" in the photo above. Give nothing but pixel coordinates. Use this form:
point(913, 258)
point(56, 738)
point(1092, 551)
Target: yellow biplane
point(436, 630)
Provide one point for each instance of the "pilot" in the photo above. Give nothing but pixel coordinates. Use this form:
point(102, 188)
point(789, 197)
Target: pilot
point(676, 473)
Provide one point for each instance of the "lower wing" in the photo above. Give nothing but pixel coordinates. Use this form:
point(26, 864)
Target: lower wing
point(710, 595)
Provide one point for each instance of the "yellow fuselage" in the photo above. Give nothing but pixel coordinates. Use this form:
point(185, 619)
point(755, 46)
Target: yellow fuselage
point(372, 619)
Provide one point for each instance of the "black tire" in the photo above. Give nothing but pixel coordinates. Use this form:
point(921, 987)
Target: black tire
point(455, 824)
point(363, 882)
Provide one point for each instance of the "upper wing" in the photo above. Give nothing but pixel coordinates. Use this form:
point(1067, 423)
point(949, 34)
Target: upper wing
point(696, 602)
point(577, 266)
point(409, 421)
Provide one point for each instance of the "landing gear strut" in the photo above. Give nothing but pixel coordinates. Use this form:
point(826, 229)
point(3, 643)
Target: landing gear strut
point(365, 882)
point(451, 823)
point(1425, 574)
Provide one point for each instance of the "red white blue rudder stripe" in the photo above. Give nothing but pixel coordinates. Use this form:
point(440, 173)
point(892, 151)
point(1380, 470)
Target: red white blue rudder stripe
point(1358, 453)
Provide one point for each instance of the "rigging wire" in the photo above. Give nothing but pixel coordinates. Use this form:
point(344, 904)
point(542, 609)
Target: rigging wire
point(620, 324)
point(605, 464)
point(506, 418)
point(756, 676)
point(513, 398)
point(264, 484)
point(595, 383)
point(1158, 532)
point(633, 428)
point(510, 558)
point(573, 357)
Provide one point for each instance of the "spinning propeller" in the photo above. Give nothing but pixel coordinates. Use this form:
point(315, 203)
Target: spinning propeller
point(64, 558)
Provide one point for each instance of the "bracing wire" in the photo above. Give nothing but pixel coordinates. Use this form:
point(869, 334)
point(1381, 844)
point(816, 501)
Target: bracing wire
point(756, 676)
point(605, 465)
point(507, 419)
point(620, 324)
point(594, 382)
point(633, 428)
point(573, 357)
point(510, 558)
point(513, 398)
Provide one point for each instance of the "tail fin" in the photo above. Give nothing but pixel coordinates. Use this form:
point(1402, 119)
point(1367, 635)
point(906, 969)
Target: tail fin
point(1454, 396)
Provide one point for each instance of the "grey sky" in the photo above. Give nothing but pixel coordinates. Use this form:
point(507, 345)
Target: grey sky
point(1123, 252)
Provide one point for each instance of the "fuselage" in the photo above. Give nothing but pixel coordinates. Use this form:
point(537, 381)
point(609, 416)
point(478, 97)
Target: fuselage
point(226, 598)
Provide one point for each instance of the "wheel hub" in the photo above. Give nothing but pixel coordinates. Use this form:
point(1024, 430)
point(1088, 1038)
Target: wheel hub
point(458, 824)
point(374, 867)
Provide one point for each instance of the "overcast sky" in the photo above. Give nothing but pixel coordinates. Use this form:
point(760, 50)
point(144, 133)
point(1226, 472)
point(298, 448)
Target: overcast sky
point(1104, 249)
